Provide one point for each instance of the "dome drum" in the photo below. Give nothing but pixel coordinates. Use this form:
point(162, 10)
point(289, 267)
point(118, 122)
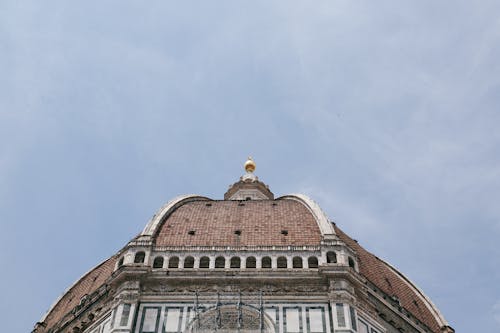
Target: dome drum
point(248, 263)
point(321, 257)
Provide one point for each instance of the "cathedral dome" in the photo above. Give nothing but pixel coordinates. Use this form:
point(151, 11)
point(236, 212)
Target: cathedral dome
point(233, 223)
point(198, 246)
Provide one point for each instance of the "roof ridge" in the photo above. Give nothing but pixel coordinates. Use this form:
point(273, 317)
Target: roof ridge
point(427, 301)
point(437, 318)
point(72, 286)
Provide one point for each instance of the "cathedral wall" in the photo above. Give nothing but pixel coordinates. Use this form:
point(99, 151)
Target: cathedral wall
point(277, 317)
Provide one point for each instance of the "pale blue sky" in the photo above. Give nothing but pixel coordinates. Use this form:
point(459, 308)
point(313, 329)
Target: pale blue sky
point(384, 112)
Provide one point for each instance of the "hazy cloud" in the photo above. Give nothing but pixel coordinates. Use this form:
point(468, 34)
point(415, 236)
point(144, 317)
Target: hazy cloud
point(386, 113)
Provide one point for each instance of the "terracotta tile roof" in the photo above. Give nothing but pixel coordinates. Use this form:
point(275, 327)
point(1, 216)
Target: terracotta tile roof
point(260, 222)
point(390, 282)
point(89, 283)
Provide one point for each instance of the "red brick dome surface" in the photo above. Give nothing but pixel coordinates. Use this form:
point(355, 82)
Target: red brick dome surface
point(259, 222)
point(391, 282)
point(240, 223)
point(88, 284)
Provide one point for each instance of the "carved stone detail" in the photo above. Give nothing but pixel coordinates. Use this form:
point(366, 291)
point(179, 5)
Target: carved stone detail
point(275, 288)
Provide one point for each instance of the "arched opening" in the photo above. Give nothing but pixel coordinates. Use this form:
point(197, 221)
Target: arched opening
point(220, 262)
point(251, 262)
point(312, 262)
point(158, 262)
point(189, 262)
point(173, 262)
point(297, 262)
point(235, 262)
point(266, 262)
point(331, 257)
point(204, 262)
point(231, 318)
point(282, 262)
point(139, 257)
point(351, 262)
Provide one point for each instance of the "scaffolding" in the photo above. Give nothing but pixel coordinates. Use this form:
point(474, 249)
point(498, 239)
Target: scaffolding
point(232, 312)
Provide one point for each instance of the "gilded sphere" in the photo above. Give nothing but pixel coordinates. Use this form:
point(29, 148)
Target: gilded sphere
point(249, 165)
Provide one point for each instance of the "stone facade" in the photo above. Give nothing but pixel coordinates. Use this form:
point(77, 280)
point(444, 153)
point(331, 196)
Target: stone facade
point(249, 263)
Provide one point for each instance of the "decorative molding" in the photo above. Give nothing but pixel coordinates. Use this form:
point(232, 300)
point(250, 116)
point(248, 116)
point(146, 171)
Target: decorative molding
point(246, 248)
point(166, 210)
point(326, 228)
point(426, 300)
point(213, 288)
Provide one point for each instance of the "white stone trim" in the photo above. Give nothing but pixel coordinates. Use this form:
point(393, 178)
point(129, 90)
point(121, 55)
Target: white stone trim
point(164, 211)
point(324, 224)
point(304, 255)
point(71, 287)
point(428, 303)
point(369, 320)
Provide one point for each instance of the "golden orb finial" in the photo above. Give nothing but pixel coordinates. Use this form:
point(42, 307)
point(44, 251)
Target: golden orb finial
point(250, 165)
